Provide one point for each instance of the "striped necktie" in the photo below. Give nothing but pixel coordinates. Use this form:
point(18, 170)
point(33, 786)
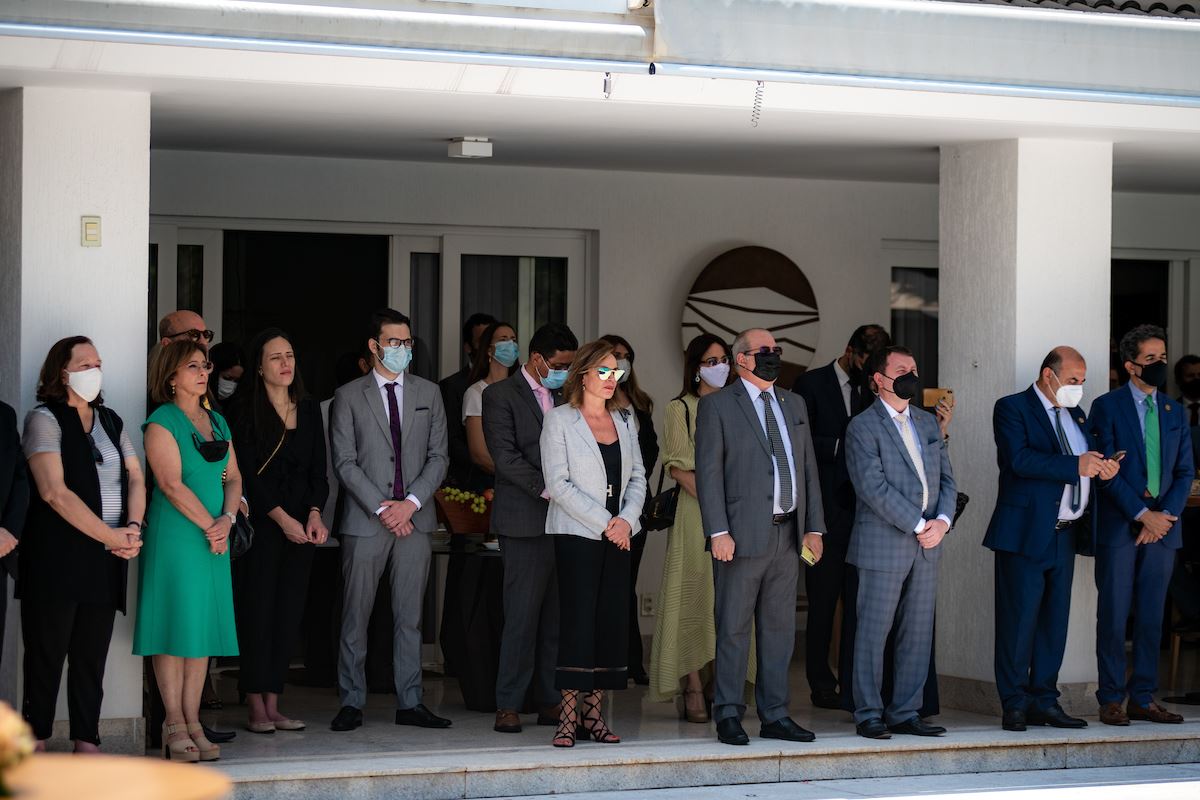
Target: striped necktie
point(910, 444)
point(1153, 449)
point(1076, 492)
point(779, 454)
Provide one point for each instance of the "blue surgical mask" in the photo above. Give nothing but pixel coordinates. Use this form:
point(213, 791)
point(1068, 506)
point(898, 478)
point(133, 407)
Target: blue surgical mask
point(554, 378)
point(506, 352)
point(395, 359)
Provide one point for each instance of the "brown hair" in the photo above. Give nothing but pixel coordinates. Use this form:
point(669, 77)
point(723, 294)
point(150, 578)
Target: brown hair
point(166, 363)
point(637, 397)
point(587, 358)
point(51, 388)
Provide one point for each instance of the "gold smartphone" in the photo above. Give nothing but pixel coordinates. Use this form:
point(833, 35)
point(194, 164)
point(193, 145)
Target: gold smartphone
point(808, 556)
point(934, 396)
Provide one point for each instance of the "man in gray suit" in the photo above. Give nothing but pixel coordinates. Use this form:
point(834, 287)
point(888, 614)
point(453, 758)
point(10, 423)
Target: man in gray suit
point(513, 410)
point(387, 431)
point(906, 497)
point(756, 479)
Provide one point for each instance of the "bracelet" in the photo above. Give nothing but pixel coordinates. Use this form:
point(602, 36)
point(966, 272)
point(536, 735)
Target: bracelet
point(313, 508)
point(134, 524)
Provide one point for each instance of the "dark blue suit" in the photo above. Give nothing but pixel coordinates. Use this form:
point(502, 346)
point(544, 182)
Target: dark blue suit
point(1126, 575)
point(1035, 563)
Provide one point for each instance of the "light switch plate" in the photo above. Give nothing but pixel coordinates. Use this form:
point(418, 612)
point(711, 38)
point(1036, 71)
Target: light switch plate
point(89, 231)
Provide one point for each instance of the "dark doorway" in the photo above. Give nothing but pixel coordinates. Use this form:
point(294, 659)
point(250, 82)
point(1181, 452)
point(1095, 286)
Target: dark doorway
point(1139, 296)
point(319, 287)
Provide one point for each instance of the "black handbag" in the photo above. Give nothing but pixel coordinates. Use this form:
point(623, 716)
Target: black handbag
point(660, 511)
point(241, 536)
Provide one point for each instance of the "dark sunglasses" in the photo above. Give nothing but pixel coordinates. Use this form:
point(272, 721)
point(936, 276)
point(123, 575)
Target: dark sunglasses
point(97, 456)
point(762, 351)
point(193, 334)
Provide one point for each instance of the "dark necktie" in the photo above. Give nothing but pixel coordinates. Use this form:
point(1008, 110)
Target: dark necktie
point(394, 424)
point(1066, 448)
point(779, 454)
point(1194, 410)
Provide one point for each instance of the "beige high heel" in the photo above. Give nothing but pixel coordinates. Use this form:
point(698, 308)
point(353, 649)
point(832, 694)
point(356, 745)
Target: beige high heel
point(694, 712)
point(177, 745)
point(208, 750)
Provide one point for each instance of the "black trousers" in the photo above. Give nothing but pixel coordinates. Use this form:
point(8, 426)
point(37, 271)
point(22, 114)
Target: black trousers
point(593, 633)
point(55, 632)
point(272, 584)
point(637, 546)
point(824, 585)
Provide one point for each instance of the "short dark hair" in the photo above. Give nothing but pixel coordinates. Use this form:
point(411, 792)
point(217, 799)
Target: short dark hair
point(695, 351)
point(1131, 342)
point(551, 338)
point(877, 361)
point(51, 387)
point(225, 356)
point(1053, 360)
point(386, 316)
point(1183, 364)
point(473, 321)
point(869, 338)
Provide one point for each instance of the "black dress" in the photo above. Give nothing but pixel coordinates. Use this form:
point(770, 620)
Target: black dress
point(593, 592)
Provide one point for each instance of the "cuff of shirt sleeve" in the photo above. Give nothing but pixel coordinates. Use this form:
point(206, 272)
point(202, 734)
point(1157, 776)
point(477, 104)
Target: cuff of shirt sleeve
point(946, 520)
point(1140, 513)
point(412, 498)
point(814, 533)
point(920, 527)
point(722, 533)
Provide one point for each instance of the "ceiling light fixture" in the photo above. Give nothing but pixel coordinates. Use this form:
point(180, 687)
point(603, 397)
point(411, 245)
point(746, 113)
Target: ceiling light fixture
point(470, 147)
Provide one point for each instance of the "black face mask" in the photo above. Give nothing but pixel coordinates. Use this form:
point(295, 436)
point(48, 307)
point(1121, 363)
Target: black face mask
point(1155, 374)
point(1191, 388)
point(213, 451)
point(767, 366)
point(906, 386)
point(855, 374)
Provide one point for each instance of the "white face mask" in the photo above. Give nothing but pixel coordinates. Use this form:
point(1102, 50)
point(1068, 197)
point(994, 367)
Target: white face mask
point(715, 376)
point(1068, 396)
point(623, 364)
point(86, 383)
point(225, 388)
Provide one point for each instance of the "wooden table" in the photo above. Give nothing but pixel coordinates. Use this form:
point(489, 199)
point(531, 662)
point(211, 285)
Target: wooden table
point(61, 776)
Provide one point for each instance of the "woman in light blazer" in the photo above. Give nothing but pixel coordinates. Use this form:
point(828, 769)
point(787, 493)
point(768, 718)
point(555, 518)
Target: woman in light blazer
point(597, 485)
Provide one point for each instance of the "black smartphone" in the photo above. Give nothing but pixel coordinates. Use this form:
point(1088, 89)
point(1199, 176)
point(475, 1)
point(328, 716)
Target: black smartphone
point(1117, 456)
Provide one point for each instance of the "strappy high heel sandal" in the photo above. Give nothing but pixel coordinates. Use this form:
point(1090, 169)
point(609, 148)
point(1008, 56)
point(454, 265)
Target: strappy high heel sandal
point(592, 725)
point(568, 720)
point(177, 745)
point(208, 750)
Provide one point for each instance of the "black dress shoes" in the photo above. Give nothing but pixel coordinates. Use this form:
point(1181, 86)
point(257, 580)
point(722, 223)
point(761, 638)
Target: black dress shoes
point(218, 737)
point(421, 717)
point(1013, 720)
point(730, 731)
point(348, 718)
point(786, 728)
point(826, 698)
point(1055, 717)
point(917, 727)
point(873, 728)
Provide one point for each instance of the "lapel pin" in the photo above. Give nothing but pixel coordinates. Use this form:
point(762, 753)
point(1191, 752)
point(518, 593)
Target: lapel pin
point(1168, 407)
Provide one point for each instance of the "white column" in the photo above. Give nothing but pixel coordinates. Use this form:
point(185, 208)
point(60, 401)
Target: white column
point(65, 154)
point(1025, 249)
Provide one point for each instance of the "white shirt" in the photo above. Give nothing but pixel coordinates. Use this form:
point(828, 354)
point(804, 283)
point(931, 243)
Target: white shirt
point(385, 393)
point(843, 384)
point(907, 417)
point(1079, 446)
point(473, 400)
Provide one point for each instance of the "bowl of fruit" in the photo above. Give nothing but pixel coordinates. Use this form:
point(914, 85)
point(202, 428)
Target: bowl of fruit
point(464, 512)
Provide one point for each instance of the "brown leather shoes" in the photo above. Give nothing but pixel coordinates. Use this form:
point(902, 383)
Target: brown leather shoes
point(1113, 714)
point(507, 721)
point(1152, 713)
point(549, 715)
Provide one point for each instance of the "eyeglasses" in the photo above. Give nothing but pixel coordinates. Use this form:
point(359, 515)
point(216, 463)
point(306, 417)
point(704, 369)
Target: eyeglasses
point(609, 373)
point(97, 456)
point(397, 343)
point(712, 362)
point(199, 366)
point(193, 334)
point(762, 351)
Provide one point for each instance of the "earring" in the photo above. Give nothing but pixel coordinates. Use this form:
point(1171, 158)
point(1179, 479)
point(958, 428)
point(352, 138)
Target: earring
point(172, 390)
point(696, 378)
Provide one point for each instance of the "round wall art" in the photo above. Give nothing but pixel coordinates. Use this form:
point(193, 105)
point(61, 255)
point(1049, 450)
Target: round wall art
point(756, 287)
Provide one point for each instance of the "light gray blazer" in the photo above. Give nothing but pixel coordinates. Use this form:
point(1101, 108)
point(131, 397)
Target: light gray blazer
point(889, 490)
point(576, 479)
point(363, 458)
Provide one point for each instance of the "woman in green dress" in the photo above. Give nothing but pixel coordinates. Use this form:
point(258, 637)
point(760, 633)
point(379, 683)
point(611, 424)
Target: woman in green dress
point(185, 591)
point(685, 639)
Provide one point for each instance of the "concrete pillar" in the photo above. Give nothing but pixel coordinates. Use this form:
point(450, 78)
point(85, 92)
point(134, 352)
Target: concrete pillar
point(1025, 249)
point(65, 154)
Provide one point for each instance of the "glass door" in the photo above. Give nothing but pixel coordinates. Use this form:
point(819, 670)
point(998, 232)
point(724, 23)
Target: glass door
point(185, 269)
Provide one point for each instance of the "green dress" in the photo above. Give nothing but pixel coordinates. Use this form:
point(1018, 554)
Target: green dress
point(185, 593)
point(685, 636)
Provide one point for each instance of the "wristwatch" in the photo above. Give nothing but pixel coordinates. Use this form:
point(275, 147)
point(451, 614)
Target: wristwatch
point(231, 516)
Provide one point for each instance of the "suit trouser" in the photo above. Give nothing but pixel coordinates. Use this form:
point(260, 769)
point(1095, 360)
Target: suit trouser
point(1130, 577)
point(55, 631)
point(1033, 606)
point(529, 642)
point(824, 585)
point(637, 667)
point(363, 561)
point(905, 600)
point(756, 593)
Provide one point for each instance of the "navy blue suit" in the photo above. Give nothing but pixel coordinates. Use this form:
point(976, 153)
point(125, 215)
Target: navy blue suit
point(1035, 563)
point(1127, 575)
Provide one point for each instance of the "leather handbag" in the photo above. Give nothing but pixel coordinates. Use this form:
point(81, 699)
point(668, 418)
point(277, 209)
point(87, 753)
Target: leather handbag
point(660, 511)
point(241, 536)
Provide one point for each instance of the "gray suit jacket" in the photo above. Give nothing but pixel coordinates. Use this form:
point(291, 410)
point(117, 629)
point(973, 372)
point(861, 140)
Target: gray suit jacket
point(734, 468)
point(512, 428)
point(363, 458)
point(577, 480)
point(889, 489)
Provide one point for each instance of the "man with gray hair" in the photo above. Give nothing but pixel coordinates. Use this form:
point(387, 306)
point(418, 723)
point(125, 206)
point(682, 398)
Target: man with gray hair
point(756, 526)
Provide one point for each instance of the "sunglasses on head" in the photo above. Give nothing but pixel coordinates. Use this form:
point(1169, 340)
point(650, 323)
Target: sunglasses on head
point(193, 334)
point(609, 373)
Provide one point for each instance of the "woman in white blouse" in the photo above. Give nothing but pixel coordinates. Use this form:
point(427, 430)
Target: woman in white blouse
point(498, 344)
